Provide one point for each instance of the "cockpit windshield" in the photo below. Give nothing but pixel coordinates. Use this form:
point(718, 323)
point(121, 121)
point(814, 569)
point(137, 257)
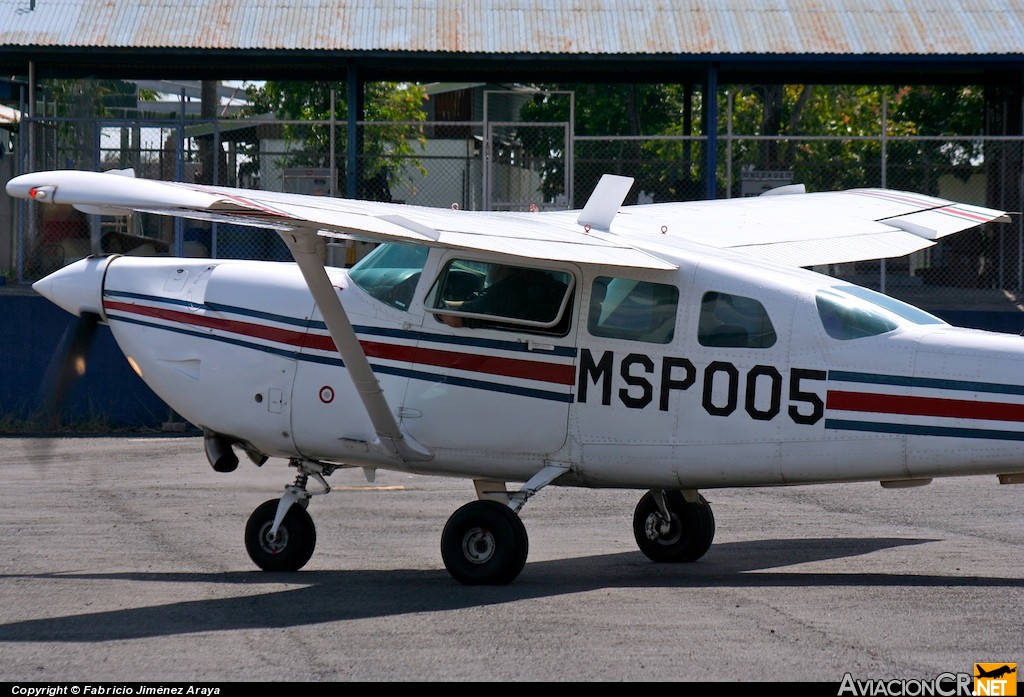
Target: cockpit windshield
point(390, 272)
point(854, 312)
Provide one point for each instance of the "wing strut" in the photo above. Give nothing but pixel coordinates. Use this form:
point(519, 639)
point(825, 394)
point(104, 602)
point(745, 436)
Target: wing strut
point(307, 249)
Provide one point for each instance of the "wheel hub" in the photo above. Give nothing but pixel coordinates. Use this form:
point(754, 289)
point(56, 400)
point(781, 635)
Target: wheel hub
point(478, 545)
point(273, 544)
point(661, 530)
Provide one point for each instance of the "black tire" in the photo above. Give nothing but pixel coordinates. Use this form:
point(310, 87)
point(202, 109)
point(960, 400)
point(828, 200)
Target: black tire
point(296, 538)
point(690, 533)
point(484, 543)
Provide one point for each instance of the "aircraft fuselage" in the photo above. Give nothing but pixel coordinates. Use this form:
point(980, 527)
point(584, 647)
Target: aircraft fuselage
point(764, 394)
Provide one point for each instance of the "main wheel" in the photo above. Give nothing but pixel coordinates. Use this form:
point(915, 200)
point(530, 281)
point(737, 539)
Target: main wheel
point(293, 545)
point(484, 543)
point(688, 536)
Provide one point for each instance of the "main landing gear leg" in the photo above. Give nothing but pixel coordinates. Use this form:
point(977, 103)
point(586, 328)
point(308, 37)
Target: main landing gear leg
point(670, 528)
point(484, 543)
point(280, 535)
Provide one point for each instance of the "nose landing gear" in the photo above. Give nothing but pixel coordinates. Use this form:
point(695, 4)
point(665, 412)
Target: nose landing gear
point(280, 535)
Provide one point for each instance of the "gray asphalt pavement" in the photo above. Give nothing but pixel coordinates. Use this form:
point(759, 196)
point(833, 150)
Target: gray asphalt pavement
point(125, 561)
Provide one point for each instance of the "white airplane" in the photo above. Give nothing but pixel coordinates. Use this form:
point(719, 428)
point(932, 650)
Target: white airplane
point(669, 348)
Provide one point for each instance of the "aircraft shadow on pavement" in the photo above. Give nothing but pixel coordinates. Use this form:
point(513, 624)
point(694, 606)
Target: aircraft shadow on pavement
point(326, 596)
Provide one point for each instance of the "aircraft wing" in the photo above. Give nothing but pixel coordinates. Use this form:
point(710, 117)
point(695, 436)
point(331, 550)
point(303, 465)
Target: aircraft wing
point(795, 229)
point(806, 229)
point(515, 234)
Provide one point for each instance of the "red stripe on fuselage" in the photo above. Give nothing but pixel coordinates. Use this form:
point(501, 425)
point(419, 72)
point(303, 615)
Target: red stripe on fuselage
point(923, 406)
point(479, 363)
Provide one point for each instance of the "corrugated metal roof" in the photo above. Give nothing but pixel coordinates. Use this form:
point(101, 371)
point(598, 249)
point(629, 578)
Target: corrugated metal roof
point(529, 27)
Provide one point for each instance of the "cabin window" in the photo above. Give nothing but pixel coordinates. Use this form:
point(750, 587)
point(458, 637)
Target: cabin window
point(472, 293)
point(390, 273)
point(846, 317)
point(733, 321)
point(624, 308)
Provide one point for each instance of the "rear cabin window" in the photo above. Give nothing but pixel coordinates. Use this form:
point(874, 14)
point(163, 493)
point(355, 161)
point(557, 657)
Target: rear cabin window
point(624, 308)
point(846, 317)
point(473, 293)
point(733, 321)
point(890, 304)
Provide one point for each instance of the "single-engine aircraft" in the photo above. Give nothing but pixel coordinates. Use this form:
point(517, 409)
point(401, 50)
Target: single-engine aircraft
point(671, 348)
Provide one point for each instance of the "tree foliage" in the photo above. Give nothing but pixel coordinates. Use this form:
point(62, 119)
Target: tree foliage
point(634, 109)
point(395, 134)
point(80, 102)
point(852, 116)
point(828, 136)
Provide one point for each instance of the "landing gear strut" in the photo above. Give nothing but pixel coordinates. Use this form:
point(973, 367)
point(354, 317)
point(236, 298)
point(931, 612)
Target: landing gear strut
point(280, 535)
point(290, 547)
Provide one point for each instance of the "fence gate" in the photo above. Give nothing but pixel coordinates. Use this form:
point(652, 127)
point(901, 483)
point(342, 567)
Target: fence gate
point(526, 164)
point(515, 177)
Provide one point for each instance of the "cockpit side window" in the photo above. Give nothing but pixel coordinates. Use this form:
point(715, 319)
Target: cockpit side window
point(504, 296)
point(390, 273)
point(733, 321)
point(625, 308)
point(846, 317)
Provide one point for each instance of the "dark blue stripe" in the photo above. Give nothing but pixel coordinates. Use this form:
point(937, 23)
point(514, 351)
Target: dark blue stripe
point(935, 383)
point(515, 346)
point(476, 384)
point(280, 319)
point(336, 361)
point(285, 353)
point(519, 346)
point(915, 430)
point(217, 307)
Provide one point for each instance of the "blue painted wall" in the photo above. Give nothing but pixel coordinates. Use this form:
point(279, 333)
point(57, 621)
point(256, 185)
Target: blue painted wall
point(110, 392)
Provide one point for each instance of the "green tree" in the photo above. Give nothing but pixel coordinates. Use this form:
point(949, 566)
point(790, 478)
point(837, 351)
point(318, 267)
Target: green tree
point(634, 109)
point(944, 110)
point(852, 115)
point(389, 144)
point(77, 103)
point(774, 127)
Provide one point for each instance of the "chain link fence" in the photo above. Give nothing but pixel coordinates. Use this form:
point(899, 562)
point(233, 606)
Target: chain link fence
point(495, 166)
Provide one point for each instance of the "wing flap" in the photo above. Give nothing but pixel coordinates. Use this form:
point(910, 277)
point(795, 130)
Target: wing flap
point(582, 251)
point(813, 252)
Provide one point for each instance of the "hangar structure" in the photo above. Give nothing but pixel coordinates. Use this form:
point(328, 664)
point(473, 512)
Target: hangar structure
point(699, 42)
point(853, 41)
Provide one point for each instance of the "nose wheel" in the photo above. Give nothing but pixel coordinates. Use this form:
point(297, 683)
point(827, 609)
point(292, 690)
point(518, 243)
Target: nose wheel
point(484, 543)
point(290, 548)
